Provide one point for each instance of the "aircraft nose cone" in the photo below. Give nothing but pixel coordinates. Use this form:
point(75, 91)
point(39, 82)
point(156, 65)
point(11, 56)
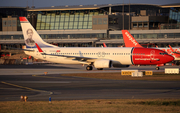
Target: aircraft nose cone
point(170, 58)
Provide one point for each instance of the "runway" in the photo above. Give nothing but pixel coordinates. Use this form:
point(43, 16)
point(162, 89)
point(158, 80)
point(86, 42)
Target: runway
point(40, 87)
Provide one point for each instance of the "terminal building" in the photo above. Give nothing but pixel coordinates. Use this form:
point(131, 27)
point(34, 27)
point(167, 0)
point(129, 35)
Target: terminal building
point(93, 25)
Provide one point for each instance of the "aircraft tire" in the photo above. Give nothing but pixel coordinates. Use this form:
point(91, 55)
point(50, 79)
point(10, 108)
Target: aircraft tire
point(157, 68)
point(89, 68)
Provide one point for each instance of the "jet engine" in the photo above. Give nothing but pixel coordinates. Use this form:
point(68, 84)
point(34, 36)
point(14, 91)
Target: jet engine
point(104, 63)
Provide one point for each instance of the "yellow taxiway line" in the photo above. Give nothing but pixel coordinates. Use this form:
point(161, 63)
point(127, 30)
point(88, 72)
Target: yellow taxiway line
point(22, 87)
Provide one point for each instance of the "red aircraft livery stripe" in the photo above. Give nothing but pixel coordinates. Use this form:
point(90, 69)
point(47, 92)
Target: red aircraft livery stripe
point(40, 50)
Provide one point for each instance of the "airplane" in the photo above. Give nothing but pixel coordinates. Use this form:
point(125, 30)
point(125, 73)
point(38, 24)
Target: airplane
point(91, 56)
point(130, 41)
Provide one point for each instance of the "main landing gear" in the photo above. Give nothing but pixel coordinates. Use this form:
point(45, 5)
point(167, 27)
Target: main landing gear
point(89, 68)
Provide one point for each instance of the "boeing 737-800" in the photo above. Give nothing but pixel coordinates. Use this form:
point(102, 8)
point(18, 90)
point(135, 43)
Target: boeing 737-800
point(91, 56)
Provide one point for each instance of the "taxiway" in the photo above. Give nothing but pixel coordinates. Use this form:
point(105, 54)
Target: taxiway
point(30, 81)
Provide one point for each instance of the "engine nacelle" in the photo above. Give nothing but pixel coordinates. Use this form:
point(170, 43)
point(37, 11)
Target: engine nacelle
point(103, 63)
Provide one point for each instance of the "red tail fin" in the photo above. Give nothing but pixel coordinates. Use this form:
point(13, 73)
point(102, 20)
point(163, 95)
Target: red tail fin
point(129, 39)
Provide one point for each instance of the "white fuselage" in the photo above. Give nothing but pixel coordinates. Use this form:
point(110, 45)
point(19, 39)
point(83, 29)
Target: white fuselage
point(122, 55)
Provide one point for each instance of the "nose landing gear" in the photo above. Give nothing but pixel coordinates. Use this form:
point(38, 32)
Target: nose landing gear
point(157, 68)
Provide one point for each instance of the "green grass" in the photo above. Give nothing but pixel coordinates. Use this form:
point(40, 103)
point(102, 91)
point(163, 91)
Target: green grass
point(93, 106)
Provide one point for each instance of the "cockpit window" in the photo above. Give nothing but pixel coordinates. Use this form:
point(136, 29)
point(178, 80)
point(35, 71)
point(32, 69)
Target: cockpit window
point(163, 53)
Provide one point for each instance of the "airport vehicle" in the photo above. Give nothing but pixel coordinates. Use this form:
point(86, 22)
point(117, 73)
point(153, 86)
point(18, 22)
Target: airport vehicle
point(91, 56)
point(130, 41)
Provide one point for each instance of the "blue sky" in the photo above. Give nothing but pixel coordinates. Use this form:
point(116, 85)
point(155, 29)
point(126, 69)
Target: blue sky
point(48, 3)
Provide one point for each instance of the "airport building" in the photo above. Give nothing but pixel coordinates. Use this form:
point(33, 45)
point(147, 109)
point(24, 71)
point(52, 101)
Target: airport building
point(93, 25)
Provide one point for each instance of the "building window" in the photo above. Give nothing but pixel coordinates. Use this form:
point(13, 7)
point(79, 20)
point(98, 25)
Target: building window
point(4, 23)
point(9, 22)
point(104, 20)
point(94, 21)
point(111, 21)
point(139, 24)
point(99, 20)
point(151, 24)
point(145, 25)
point(14, 23)
point(134, 24)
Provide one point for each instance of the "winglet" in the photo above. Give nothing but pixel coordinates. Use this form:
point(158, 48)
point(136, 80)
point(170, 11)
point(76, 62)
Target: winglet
point(39, 49)
point(129, 39)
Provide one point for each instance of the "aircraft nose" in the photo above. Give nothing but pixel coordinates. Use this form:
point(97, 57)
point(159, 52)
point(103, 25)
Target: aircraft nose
point(170, 58)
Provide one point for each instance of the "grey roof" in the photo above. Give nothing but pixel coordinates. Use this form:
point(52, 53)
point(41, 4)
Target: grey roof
point(171, 5)
point(81, 7)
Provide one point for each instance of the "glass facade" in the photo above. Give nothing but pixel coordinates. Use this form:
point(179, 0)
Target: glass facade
point(170, 26)
point(62, 20)
point(174, 19)
point(9, 37)
point(148, 36)
point(58, 36)
point(73, 36)
point(174, 15)
point(95, 35)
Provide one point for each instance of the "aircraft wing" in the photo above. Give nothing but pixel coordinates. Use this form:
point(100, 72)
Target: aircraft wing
point(78, 58)
point(27, 50)
point(83, 60)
